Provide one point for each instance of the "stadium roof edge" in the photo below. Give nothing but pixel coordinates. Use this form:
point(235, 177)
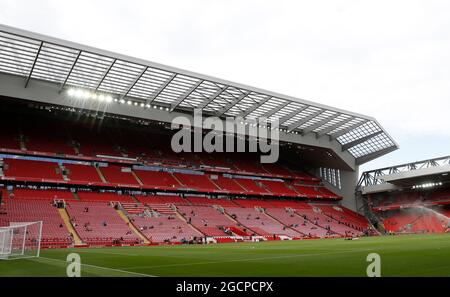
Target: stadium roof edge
point(376, 176)
point(76, 46)
point(40, 57)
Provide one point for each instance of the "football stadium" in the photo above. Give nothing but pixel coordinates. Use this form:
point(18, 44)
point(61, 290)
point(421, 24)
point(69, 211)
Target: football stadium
point(89, 174)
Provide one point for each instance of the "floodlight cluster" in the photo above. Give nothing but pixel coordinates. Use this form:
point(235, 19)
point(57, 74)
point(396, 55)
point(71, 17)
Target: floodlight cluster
point(107, 98)
point(84, 94)
point(427, 185)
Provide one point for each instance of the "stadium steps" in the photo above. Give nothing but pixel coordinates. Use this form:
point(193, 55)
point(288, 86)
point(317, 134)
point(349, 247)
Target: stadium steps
point(23, 147)
point(177, 179)
point(134, 198)
point(263, 186)
point(307, 219)
point(132, 226)
point(65, 177)
point(235, 203)
point(65, 216)
point(137, 178)
point(159, 208)
point(373, 219)
point(75, 195)
point(237, 222)
point(181, 217)
point(214, 183)
point(280, 222)
point(241, 186)
point(102, 177)
point(293, 189)
point(133, 208)
point(76, 148)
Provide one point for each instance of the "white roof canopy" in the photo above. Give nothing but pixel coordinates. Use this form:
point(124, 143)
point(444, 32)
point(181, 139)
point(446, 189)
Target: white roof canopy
point(38, 57)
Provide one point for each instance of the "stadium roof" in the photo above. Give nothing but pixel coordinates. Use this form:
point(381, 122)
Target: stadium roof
point(421, 173)
point(69, 65)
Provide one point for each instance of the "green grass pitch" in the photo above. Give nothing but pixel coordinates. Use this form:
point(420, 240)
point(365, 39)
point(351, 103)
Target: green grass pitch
point(412, 255)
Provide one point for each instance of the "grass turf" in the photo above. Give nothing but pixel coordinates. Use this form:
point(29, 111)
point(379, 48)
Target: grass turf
point(412, 255)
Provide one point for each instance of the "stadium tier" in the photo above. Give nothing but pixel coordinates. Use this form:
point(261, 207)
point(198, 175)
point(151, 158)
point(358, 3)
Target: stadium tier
point(102, 190)
point(108, 218)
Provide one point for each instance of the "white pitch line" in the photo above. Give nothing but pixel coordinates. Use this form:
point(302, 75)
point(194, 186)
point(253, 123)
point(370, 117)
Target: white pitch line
point(93, 251)
point(248, 260)
point(100, 267)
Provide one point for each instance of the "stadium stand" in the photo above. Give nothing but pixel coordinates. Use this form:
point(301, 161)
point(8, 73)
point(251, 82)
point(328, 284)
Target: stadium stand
point(165, 228)
point(9, 138)
point(196, 181)
point(56, 142)
point(38, 194)
point(260, 223)
point(279, 188)
point(227, 184)
point(158, 179)
point(206, 219)
point(251, 203)
point(106, 197)
point(119, 175)
point(54, 231)
point(103, 163)
point(296, 222)
point(415, 220)
point(161, 199)
point(251, 186)
point(82, 173)
point(208, 201)
point(120, 165)
point(105, 229)
point(32, 170)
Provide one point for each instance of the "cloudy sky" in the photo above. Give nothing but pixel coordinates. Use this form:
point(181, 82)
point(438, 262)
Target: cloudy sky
point(386, 59)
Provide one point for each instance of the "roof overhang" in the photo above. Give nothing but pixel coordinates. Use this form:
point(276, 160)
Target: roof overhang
point(41, 68)
point(419, 176)
point(406, 175)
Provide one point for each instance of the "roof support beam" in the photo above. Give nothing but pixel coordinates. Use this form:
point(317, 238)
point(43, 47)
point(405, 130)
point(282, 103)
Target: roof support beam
point(133, 83)
point(374, 155)
point(70, 72)
point(304, 120)
point(324, 132)
point(105, 74)
point(161, 88)
point(254, 107)
point(346, 130)
point(292, 114)
point(185, 95)
point(34, 64)
point(360, 140)
point(212, 98)
point(317, 125)
point(232, 103)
